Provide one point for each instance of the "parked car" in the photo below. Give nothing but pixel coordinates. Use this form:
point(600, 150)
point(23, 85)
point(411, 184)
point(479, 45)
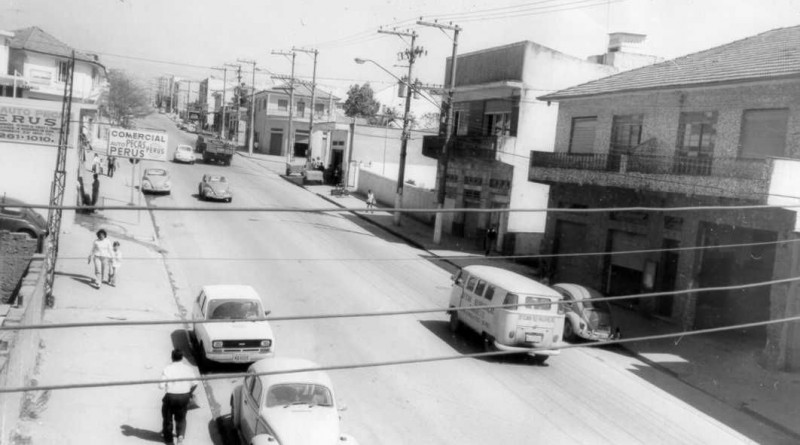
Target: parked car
point(214, 187)
point(590, 320)
point(191, 128)
point(297, 408)
point(184, 153)
point(15, 218)
point(156, 180)
point(237, 340)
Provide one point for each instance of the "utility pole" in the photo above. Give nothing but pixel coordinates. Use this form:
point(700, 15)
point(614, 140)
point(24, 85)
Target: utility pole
point(290, 137)
point(224, 88)
point(313, 98)
point(252, 106)
point(444, 157)
point(411, 54)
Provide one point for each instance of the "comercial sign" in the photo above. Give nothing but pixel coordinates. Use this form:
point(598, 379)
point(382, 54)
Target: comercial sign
point(29, 125)
point(137, 144)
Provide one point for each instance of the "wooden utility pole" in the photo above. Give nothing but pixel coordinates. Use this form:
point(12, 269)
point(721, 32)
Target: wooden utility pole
point(313, 98)
point(252, 107)
point(444, 156)
point(411, 55)
point(290, 136)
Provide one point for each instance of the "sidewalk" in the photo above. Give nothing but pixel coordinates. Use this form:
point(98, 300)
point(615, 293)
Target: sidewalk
point(722, 365)
point(120, 414)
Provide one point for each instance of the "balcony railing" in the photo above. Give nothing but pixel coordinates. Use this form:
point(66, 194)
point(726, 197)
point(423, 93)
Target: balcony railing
point(722, 167)
point(464, 147)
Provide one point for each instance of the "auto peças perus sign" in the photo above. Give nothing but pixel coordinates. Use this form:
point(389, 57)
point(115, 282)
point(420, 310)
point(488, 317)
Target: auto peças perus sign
point(137, 144)
point(29, 125)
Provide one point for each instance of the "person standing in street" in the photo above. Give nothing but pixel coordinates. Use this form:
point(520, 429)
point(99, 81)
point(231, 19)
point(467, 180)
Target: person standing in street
point(100, 256)
point(491, 239)
point(95, 190)
point(112, 165)
point(370, 201)
point(97, 166)
point(116, 260)
point(176, 399)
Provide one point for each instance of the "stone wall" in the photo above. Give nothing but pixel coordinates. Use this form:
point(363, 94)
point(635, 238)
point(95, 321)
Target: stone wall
point(16, 250)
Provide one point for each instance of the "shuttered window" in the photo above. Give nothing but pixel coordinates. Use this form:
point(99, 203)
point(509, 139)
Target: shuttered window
point(583, 131)
point(763, 133)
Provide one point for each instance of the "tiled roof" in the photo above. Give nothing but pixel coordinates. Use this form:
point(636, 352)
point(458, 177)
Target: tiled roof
point(34, 39)
point(773, 54)
point(302, 89)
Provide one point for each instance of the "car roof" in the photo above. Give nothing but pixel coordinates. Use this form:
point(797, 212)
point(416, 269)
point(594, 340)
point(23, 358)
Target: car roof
point(186, 146)
point(155, 169)
point(231, 290)
point(577, 291)
point(511, 281)
point(272, 364)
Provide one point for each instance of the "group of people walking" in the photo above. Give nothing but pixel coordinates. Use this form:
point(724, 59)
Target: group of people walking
point(106, 258)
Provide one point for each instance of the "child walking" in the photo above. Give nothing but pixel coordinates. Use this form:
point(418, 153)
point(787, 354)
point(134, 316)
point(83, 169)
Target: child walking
point(116, 259)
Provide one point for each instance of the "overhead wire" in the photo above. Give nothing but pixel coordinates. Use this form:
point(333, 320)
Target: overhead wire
point(395, 313)
point(384, 363)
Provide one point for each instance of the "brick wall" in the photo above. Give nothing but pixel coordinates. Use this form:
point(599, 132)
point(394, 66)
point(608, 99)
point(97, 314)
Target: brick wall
point(16, 250)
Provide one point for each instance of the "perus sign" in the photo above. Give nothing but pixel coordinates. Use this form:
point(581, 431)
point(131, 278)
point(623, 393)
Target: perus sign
point(29, 125)
point(137, 144)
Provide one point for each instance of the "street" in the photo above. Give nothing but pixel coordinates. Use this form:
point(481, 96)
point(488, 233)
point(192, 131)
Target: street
point(307, 263)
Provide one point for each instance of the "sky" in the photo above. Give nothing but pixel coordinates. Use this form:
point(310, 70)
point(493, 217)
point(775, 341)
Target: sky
point(187, 37)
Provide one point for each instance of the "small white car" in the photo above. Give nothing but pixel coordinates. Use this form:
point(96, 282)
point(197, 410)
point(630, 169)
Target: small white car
point(184, 153)
point(590, 320)
point(296, 408)
point(235, 340)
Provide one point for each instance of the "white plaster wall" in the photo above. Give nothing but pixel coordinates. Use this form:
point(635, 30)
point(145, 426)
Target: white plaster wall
point(783, 190)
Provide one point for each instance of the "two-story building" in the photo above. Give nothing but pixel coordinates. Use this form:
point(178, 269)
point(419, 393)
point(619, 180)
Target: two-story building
point(719, 127)
point(271, 126)
point(498, 120)
point(42, 62)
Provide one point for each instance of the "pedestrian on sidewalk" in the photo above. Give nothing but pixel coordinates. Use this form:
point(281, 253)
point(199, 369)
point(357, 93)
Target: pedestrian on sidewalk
point(112, 165)
point(491, 239)
point(370, 201)
point(176, 399)
point(116, 260)
point(95, 191)
point(100, 256)
point(97, 166)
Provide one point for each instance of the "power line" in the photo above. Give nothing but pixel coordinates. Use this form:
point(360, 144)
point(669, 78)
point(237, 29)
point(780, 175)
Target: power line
point(455, 210)
point(376, 364)
point(452, 258)
point(394, 313)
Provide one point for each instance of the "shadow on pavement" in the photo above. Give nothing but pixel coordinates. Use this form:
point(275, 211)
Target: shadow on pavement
point(466, 341)
point(222, 432)
point(85, 279)
point(150, 436)
point(180, 341)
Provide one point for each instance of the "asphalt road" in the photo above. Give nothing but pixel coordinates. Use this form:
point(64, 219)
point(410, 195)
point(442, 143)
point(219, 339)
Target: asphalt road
point(305, 263)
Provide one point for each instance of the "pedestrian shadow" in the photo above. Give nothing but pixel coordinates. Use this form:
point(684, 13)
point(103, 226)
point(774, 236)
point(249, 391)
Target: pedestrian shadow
point(78, 277)
point(150, 436)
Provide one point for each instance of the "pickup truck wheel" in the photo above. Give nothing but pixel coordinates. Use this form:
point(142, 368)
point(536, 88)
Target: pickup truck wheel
point(455, 323)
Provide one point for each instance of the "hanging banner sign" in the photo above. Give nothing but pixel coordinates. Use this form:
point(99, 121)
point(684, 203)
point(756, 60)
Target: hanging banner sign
point(137, 144)
point(29, 125)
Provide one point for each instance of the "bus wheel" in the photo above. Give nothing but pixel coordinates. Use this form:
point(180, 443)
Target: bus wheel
point(540, 359)
point(455, 323)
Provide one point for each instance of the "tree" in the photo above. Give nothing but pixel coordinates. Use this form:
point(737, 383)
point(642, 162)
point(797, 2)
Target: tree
point(125, 99)
point(360, 102)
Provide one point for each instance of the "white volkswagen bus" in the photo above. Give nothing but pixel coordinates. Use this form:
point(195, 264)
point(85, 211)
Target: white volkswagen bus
point(536, 320)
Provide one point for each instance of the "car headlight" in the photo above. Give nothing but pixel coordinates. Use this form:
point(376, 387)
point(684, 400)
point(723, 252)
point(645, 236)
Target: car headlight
point(167, 184)
point(266, 343)
point(216, 344)
point(147, 185)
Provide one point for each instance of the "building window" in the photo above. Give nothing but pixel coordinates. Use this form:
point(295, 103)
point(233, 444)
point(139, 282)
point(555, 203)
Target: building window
point(63, 71)
point(498, 124)
point(283, 104)
point(301, 109)
point(763, 133)
point(472, 194)
point(461, 122)
point(626, 133)
point(319, 109)
point(473, 180)
point(695, 149)
point(582, 136)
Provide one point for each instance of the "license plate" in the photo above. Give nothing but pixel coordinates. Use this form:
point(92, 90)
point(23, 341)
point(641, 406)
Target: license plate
point(241, 357)
point(533, 338)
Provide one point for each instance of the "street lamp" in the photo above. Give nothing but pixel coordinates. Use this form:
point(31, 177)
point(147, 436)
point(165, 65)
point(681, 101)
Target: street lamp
point(398, 199)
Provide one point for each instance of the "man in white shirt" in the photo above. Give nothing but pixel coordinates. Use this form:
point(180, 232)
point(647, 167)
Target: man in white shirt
point(176, 400)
